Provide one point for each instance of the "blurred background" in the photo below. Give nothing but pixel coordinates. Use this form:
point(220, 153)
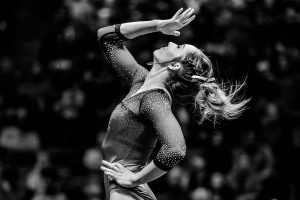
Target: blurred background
point(57, 92)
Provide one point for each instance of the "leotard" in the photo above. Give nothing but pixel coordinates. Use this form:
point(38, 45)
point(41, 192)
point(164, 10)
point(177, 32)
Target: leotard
point(140, 120)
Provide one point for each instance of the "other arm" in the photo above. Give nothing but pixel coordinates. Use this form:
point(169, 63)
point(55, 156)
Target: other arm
point(155, 106)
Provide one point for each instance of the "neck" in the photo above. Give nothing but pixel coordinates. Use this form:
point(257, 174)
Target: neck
point(157, 76)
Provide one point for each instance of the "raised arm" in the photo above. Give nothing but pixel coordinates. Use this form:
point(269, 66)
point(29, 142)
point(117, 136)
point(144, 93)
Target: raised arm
point(112, 39)
point(112, 43)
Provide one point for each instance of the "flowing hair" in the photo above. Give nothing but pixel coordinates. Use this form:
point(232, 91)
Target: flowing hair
point(219, 101)
point(196, 85)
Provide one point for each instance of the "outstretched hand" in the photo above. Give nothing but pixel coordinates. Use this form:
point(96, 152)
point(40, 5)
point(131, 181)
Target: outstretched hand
point(177, 22)
point(119, 173)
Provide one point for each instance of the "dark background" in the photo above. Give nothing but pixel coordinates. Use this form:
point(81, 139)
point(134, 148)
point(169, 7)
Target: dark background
point(57, 92)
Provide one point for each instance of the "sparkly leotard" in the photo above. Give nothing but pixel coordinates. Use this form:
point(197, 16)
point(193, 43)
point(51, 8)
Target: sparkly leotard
point(141, 118)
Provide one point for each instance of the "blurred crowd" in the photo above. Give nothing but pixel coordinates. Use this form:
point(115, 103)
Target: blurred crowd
point(57, 92)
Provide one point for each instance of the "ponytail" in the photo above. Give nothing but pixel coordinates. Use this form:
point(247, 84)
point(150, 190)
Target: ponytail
point(195, 85)
point(219, 101)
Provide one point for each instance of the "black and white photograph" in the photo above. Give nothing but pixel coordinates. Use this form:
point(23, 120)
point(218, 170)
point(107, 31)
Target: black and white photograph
point(149, 99)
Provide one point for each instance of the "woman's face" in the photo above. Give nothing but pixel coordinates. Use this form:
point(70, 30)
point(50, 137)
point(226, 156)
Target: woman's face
point(172, 52)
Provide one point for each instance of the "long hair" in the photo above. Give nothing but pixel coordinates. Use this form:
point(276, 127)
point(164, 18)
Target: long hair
point(196, 85)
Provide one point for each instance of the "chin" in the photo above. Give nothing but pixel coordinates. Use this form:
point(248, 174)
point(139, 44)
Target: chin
point(155, 54)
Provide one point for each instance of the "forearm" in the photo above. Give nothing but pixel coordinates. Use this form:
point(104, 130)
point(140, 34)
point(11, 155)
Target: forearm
point(134, 29)
point(164, 161)
point(168, 26)
point(149, 173)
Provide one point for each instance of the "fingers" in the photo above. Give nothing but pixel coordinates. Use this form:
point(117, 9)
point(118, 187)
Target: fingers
point(178, 12)
point(119, 165)
point(176, 33)
point(189, 20)
point(112, 176)
point(188, 14)
point(182, 15)
point(109, 165)
point(116, 167)
point(105, 169)
point(109, 172)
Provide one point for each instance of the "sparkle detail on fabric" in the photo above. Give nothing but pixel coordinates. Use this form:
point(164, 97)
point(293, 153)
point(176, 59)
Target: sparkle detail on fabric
point(156, 107)
point(141, 118)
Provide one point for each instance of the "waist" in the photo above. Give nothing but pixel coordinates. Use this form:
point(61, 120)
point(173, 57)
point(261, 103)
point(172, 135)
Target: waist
point(131, 156)
point(132, 165)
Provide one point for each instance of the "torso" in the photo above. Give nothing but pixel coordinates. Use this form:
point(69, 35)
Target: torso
point(130, 138)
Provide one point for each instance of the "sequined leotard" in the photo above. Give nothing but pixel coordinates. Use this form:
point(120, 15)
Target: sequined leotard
point(138, 121)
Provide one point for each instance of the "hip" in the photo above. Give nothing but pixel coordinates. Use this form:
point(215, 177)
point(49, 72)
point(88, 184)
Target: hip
point(114, 191)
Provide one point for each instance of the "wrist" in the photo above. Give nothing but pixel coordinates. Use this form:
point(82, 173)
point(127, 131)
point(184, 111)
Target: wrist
point(158, 24)
point(136, 179)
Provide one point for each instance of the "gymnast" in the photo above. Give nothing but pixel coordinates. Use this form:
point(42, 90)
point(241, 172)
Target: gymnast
point(180, 74)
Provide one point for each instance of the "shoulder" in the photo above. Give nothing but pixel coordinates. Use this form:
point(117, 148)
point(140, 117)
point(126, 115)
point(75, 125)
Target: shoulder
point(156, 102)
point(157, 95)
point(140, 75)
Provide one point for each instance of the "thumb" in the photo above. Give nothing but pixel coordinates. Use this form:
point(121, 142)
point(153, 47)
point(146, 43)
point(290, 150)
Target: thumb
point(176, 33)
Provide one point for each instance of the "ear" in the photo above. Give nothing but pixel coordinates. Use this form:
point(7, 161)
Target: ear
point(175, 66)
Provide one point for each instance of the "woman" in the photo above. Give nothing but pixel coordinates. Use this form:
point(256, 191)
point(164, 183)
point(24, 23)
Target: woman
point(180, 73)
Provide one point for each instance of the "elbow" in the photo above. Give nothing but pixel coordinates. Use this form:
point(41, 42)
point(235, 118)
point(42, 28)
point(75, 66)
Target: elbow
point(100, 33)
point(179, 152)
point(183, 152)
point(167, 159)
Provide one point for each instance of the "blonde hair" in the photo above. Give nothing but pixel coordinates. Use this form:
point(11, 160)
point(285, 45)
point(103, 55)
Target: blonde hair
point(196, 85)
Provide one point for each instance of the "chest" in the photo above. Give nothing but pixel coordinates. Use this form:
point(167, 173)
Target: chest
point(126, 113)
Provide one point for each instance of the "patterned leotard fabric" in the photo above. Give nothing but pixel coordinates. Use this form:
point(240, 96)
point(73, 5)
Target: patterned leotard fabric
point(142, 118)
